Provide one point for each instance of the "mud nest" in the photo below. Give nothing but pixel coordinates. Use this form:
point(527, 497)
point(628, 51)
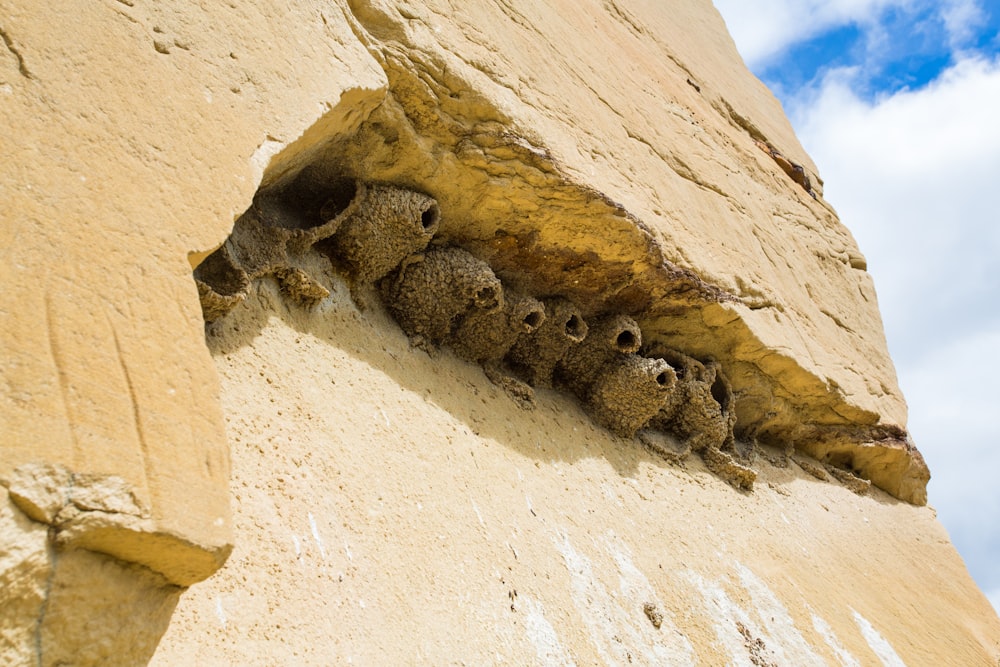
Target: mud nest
point(387, 225)
point(628, 392)
point(536, 355)
point(486, 336)
point(377, 234)
point(430, 294)
point(609, 340)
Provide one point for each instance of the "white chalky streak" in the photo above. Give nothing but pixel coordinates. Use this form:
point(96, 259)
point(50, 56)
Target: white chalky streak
point(315, 532)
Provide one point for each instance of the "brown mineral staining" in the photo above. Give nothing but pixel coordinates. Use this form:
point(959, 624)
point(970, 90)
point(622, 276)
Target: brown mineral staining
point(432, 293)
point(535, 355)
point(390, 224)
point(794, 171)
point(653, 613)
point(629, 392)
point(608, 339)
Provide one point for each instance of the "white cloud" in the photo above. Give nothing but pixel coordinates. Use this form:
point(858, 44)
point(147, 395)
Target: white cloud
point(764, 29)
point(961, 19)
point(914, 175)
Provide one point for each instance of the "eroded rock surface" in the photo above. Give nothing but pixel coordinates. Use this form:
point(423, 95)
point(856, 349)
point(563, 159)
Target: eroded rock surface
point(521, 208)
point(673, 192)
point(610, 210)
point(67, 605)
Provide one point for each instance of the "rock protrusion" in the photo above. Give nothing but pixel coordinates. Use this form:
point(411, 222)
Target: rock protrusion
point(104, 514)
point(380, 236)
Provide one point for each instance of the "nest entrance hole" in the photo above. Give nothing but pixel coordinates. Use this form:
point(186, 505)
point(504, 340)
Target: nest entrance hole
point(430, 217)
point(720, 393)
point(841, 460)
point(337, 199)
point(224, 277)
point(534, 319)
point(486, 297)
point(626, 341)
point(574, 328)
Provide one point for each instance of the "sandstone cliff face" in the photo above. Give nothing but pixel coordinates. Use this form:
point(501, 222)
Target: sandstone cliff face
point(646, 193)
point(393, 507)
point(665, 185)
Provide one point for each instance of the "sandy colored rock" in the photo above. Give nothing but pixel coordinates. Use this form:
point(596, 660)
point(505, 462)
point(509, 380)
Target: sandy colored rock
point(24, 573)
point(665, 208)
point(603, 157)
point(396, 508)
point(142, 132)
point(67, 606)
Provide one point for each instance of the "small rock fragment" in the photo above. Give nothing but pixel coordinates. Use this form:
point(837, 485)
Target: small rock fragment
point(653, 614)
point(850, 480)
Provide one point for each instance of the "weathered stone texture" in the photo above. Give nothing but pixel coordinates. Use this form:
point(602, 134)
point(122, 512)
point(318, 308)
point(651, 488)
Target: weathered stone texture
point(393, 507)
point(603, 156)
point(136, 133)
point(645, 193)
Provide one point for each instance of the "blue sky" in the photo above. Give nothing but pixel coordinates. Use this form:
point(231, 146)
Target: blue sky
point(898, 103)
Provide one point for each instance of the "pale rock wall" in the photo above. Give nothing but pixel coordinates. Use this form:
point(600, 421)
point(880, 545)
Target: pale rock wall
point(393, 507)
point(643, 192)
point(138, 132)
point(135, 133)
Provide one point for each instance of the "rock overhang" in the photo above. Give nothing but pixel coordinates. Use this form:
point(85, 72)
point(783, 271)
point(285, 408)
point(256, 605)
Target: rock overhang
point(773, 289)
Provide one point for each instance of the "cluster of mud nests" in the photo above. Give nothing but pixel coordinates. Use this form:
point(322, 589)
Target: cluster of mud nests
point(380, 236)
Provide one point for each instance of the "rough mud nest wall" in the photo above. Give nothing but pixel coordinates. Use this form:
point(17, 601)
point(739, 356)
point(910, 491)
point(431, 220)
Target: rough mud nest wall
point(382, 238)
